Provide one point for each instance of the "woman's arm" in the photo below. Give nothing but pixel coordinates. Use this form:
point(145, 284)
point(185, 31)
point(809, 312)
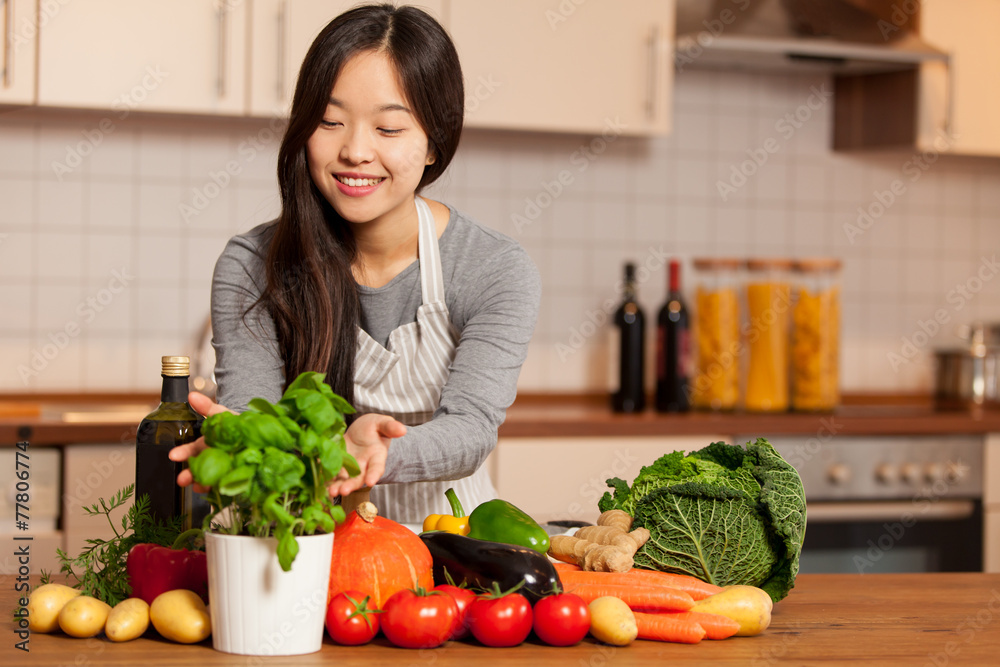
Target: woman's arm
point(247, 361)
point(501, 302)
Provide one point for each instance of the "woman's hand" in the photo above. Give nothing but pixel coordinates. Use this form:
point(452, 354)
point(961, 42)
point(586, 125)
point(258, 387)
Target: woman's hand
point(368, 440)
point(206, 407)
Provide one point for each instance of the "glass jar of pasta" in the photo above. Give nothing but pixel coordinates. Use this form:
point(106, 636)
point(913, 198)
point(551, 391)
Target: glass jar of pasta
point(765, 334)
point(816, 334)
point(715, 377)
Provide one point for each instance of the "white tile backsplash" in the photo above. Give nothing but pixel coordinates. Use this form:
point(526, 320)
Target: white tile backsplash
point(78, 204)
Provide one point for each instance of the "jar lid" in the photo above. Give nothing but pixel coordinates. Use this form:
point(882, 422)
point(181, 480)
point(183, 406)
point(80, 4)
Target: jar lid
point(710, 263)
point(816, 264)
point(769, 263)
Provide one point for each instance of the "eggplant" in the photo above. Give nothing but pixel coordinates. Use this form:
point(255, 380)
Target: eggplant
point(479, 563)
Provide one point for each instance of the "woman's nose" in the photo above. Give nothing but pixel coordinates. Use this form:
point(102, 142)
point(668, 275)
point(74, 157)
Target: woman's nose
point(358, 148)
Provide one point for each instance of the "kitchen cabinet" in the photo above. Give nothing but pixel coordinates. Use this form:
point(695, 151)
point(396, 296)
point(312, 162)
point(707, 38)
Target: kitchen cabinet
point(991, 504)
point(940, 107)
point(281, 33)
point(182, 56)
point(566, 67)
point(19, 33)
point(563, 478)
point(90, 473)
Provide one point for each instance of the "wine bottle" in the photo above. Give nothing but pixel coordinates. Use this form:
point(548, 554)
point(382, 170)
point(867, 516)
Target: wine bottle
point(673, 347)
point(630, 324)
point(173, 423)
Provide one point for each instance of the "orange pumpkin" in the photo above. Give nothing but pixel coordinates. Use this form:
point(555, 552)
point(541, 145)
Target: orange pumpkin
point(377, 556)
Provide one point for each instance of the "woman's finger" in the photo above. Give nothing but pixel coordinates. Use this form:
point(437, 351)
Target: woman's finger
point(390, 428)
point(205, 406)
point(184, 452)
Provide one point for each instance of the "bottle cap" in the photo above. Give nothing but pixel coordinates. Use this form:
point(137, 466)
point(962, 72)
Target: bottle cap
point(176, 366)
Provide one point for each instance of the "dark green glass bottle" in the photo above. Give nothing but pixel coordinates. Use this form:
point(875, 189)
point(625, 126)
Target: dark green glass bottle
point(173, 423)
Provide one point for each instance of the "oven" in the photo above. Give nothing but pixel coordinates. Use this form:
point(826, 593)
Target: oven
point(890, 504)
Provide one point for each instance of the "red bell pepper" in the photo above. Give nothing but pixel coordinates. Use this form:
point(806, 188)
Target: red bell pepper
point(153, 569)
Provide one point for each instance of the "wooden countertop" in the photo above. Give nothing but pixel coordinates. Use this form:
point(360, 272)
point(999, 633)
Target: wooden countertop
point(873, 619)
point(112, 418)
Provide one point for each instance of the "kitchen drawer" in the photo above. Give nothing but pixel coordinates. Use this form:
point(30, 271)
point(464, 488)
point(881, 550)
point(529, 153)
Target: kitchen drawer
point(93, 472)
point(43, 488)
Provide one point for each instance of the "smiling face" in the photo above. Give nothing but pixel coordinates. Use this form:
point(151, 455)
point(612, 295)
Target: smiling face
point(368, 153)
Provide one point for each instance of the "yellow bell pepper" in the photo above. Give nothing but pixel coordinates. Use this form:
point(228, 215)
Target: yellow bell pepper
point(456, 522)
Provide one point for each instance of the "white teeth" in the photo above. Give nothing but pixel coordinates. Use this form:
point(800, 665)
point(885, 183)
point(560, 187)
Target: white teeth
point(359, 182)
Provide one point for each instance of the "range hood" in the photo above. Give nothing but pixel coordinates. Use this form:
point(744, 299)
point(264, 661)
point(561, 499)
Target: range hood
point(838, 36)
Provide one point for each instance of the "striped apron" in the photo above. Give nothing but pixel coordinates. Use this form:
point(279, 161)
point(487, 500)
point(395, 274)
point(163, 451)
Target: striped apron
point(404, 380)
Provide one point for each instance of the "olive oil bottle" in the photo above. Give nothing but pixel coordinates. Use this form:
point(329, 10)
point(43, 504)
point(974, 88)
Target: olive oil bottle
point(173, 423)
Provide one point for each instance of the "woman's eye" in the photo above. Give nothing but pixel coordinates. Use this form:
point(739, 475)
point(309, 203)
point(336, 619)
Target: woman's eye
point(329, 123)
point(385, 130)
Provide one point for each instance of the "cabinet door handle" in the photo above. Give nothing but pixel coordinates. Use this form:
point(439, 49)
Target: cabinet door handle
point(653, 73)
point(8, 43)
point(949, 110)
point(282, 37)
point(223, 25)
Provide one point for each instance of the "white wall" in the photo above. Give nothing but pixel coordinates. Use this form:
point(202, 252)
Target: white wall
point(78, 203)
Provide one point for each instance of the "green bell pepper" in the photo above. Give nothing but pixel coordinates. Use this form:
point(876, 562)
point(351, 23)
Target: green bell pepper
point(499, 521)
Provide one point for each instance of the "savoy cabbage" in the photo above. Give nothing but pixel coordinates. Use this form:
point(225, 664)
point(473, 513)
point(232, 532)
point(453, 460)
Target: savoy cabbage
point(724, 514)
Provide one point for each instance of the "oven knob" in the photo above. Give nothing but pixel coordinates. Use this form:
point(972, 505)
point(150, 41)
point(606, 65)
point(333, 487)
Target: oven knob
point(934, 472)
point(910, 472)
point(838, 473)
point(886, 473)
point(956, 472)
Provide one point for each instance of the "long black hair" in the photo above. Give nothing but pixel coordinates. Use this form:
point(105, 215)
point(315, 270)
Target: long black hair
point(310, 291)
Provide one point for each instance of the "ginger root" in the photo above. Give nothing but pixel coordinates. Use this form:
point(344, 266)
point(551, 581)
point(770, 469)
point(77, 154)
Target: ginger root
point(615, 518)
point(601, 548)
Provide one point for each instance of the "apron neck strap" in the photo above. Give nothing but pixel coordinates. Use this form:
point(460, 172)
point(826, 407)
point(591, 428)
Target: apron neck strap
point(431, 275)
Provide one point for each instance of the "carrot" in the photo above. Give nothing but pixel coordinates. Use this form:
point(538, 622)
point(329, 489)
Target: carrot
point(716, 626)
point(696, 588)
point(566, 567)
point(636, 597)
point(668, 628)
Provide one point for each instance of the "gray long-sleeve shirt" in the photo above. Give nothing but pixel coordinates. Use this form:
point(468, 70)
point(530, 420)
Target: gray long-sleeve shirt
point(492, 290)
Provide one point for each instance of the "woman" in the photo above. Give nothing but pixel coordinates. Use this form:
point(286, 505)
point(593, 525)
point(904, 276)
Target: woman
point(419, 317)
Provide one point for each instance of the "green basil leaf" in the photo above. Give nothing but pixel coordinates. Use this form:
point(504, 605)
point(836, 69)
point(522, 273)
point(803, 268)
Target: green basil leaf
point(210, 465)
point(288, 548)
point(308, 380)
point(331, 455)
point(280, 471)
point(252, 457)
point(223, 430)
point(266, 407)
point(237, 480)
point(350, 464)
point(337, 512)
point(315, 410)
point(309, 443)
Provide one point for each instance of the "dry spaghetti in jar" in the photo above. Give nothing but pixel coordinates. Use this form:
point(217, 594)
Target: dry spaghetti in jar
point(815, 360)
point(715, 380)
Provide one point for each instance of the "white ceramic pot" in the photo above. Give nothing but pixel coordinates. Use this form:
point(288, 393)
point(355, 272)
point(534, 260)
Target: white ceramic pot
point(256, 608)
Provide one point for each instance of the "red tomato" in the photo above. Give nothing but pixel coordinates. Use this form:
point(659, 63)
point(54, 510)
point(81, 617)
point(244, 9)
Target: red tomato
point(419, 619)
point(463, 598)
point(500, 621)
point(561, 620)
point(349, 620)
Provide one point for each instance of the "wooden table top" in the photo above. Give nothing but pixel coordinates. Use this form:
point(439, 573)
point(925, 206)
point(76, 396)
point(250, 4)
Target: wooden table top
point(873, 619)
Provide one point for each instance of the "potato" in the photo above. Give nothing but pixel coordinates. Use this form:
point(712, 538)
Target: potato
point(127, 620)
point(612, 622)
point(181, 616)
point(44, 605)
point(84, 616)
point(747, 605)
